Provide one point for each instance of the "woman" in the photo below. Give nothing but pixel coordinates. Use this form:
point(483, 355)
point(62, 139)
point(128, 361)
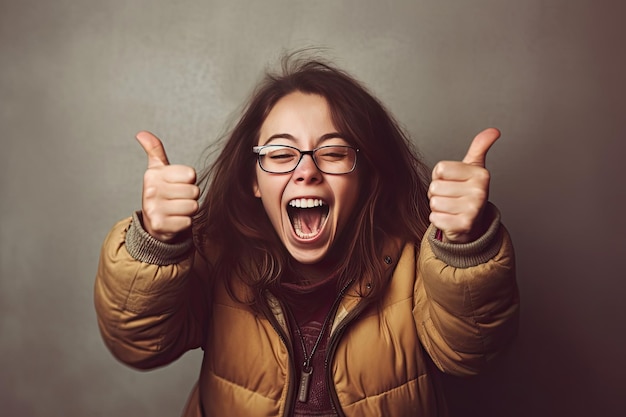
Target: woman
point(325, 276)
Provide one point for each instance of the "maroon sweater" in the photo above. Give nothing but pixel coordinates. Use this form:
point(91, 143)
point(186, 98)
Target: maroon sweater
point(308, 307)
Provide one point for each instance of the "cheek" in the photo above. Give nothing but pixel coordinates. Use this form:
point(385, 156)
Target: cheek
point(266, 187)
point(349, 197)
point(269, 190)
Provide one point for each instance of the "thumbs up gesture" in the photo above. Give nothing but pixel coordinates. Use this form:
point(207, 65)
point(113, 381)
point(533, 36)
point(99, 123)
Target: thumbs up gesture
point(170, 196)
point(459, 192)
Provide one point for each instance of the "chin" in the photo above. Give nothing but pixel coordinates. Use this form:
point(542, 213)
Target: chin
point(308, 256)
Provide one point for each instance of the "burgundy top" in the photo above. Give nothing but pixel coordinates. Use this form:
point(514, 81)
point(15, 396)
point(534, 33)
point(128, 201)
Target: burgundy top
point(309, 305)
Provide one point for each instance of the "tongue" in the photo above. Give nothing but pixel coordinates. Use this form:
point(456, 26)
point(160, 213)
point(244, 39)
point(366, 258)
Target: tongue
point(307, 220)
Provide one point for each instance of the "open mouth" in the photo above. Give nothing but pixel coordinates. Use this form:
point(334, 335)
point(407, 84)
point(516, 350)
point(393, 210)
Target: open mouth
point(307, 216)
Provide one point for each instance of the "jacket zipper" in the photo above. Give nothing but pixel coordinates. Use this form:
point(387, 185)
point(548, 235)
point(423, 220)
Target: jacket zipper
point(289, 403)
point(330, 354)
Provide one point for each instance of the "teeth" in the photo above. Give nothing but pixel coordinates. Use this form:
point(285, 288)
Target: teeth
point(306, 203)
point(303, 235)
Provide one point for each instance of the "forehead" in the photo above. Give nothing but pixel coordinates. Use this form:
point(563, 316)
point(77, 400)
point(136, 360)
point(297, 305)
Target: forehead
point(299, 115)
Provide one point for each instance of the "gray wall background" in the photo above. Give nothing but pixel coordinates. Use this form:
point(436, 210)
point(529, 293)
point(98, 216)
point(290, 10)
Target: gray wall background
point(79, 78)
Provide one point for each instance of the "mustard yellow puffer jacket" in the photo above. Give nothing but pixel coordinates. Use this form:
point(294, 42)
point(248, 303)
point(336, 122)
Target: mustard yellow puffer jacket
point(380, 354)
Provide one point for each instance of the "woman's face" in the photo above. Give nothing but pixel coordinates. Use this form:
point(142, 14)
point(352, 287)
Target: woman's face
point(308, 208)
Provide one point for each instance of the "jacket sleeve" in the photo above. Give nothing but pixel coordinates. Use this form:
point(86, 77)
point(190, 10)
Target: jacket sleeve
point(466, 299)
point(149, 298)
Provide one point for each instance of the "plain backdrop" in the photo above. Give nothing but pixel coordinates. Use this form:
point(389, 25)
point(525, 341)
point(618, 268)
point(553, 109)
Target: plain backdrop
point(79, 78)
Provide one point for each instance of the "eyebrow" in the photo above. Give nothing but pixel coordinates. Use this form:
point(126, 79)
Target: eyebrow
point(325, 137)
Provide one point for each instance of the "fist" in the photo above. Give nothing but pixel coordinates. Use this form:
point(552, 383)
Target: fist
point(170, 196)
point(459, 192)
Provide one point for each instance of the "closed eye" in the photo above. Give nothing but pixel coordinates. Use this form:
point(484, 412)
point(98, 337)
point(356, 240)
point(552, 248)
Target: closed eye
point(333, 154)
point(280, 156)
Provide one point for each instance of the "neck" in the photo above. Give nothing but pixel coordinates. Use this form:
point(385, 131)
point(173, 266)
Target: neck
point(314, 273)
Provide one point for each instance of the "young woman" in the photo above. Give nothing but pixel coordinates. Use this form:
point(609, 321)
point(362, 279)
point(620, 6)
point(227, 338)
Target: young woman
point(325, 273)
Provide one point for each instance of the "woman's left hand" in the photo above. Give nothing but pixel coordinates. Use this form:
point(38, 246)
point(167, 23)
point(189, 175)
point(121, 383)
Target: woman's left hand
point(459, 192)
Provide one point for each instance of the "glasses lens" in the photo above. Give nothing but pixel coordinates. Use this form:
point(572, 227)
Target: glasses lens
point(335, 159)
point(278, 159)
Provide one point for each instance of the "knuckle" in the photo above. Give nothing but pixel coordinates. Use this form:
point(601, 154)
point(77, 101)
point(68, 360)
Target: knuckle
point(186, 223)
point(481, 195)
point(433, 188)
point(149, 191)
point(184, 173)
point(439, 169)
point(471, 210)
point(196, 192)
point(465, 224)
point(153, 215)
point(157, 224)
point(191, 174)
point(484, 175)
point(150, 175)
point(148, 209)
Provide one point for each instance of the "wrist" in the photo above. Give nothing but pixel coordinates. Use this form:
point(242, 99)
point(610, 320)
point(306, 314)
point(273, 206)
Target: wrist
point(146, 248)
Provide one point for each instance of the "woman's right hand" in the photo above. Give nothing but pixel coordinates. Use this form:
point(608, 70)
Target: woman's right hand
point(170, 195)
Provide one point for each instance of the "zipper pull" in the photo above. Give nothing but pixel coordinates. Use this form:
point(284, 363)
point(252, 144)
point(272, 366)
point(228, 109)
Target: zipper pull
point(305, 381)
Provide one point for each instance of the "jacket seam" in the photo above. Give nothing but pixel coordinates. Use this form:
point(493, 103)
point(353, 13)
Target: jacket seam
point(473, 317)
point(233, 383)
point(370, 397)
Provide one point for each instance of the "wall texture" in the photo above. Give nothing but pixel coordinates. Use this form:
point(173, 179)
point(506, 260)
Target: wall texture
point(78, 79)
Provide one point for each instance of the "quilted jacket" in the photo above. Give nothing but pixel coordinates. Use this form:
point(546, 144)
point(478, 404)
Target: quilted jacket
point(447, 306)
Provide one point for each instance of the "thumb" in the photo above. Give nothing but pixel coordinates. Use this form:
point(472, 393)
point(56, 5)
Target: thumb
point(153, 148)
point(477, 152)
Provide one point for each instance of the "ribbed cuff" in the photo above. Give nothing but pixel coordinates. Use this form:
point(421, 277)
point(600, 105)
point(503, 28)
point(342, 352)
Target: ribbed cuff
point(467, 255)
point(145, 248)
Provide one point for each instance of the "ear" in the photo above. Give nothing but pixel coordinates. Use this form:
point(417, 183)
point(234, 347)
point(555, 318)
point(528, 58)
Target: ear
point(255, 188)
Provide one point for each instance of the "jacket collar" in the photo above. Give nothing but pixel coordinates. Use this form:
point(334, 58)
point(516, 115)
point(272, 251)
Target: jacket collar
point(354, 302)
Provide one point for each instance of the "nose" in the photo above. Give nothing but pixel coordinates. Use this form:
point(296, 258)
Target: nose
point(306, 170)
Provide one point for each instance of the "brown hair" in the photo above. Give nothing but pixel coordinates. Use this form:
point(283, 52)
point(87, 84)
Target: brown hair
point(393, 196)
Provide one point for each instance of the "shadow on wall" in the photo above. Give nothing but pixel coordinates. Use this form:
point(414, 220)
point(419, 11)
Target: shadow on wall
point(564, 361)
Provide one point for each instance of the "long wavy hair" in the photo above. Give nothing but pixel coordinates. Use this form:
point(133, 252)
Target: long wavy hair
point(232, 224)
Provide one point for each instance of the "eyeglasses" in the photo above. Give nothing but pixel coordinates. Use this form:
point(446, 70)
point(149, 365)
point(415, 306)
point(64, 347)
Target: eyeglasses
point(281, 159)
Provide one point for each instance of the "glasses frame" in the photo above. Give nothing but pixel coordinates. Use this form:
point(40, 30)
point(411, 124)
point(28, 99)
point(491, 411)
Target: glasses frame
point(258, 149)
